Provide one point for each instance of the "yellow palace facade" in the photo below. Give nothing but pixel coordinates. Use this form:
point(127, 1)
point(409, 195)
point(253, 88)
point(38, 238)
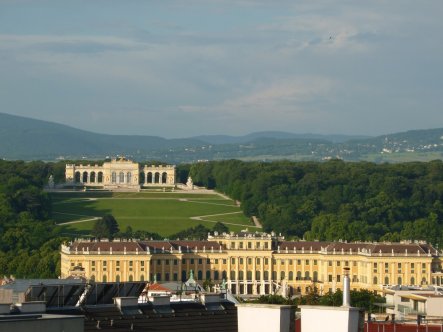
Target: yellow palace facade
point(255, 263)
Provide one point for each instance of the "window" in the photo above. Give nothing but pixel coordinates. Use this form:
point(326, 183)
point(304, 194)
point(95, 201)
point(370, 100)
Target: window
point(114, 177)
point(266, 245)
point(121, 177)
point(298, 261)
point(266, 261)
point(167, 261)
point(399, 268)
point(257, 245)
point(375, 281)
point(315, 276)
point(307, 262)
point(412, 281)
point(249, 245)
point(192, 261)
point(329, 263)
point(232, 260)
point(241, 260)
point(386, 267)
point(241, 245)
point(208, 274)
point(249, 261)
point(330, 277)
point(183, 260)
point(291, 275)
point(338, 278)
point(258, 261)
point(159, 262)
point(208, 261)
point(232, 245)
point(142, 263)
point(307, 276)
point(224, 261)
point(167, 276)
point(200, 261)
point(216, 261)
point(175, 261)
point(315, 262)
point(346, 263)
point(257, 275)
point(282, 275)
point(338, 263)
point(216, 276)
point(282, 261)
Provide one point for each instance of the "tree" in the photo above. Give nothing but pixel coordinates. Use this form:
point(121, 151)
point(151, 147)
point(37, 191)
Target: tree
point(220, 228)
point(105, 227)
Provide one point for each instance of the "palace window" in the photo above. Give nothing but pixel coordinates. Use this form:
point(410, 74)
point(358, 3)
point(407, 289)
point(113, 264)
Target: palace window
point(192, 261)
point(266, 245)
point(208, 261)
point(200, 261)
point(338, 263)
point(114, 177)
point(386, 268)
point(224, 261)
point(121, 177)
point(241, 245)
point(266, 261)
point(232, 245)
point(183, 260)
point(249, 245)
point(241, 261)
point(298, 261)
point(307, 262)
point(315, 262)
point(128, 177)
point(338, 278)
point(399, 268)
point(330, 277)
point(249, 261)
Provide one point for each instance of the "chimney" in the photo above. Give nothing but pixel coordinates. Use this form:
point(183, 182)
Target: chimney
point(346, 288)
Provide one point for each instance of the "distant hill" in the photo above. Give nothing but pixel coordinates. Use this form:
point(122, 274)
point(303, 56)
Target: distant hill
point(225, 139)
point(25, 138)
point(30, 139)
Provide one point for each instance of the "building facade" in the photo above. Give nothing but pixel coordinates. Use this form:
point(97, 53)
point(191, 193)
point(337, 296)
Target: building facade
point(120, 173)
point(256, 263)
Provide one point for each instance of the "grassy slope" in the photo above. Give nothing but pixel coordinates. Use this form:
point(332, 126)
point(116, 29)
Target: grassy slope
point(163, 213)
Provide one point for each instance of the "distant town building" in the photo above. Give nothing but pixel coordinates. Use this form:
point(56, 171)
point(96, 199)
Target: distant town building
point(256, 263)
point(120, 174)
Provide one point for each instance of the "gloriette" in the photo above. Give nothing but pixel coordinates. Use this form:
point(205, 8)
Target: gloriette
point(120, 173)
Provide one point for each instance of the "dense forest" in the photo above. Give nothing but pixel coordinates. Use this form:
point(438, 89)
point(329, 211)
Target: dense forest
point(29, 242)
point(335, 200)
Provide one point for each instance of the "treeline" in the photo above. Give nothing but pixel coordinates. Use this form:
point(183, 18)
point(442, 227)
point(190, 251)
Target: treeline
point(29, 242)
point(359, 298)
point(335, 200)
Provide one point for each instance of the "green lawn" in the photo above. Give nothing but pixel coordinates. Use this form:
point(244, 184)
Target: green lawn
point(163, 213)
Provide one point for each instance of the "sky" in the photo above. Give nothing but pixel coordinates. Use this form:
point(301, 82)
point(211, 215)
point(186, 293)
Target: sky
point(182, 68)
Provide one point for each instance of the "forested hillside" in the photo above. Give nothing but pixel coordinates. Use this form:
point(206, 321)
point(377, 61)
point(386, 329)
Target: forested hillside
point(335, 200)
point(29, 242)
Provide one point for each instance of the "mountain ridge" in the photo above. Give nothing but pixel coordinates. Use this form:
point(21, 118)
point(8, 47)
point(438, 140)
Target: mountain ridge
point(31, 139)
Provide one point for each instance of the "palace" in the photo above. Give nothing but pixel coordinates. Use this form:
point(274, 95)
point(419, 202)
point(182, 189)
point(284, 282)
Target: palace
point(120, 173)
point(256, 263)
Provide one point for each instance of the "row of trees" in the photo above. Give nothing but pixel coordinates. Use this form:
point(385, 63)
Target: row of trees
point(335, 200)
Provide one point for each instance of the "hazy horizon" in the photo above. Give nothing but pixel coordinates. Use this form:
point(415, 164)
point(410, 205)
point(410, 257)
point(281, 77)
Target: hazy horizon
point(179, 69)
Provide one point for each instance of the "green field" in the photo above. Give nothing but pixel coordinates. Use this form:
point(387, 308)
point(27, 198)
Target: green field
point(158, 212)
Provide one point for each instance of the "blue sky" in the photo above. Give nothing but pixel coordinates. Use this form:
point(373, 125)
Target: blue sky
point(185, 68)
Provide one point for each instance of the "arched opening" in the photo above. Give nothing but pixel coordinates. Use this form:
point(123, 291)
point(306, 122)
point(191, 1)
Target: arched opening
point(412, 281)
point(266, 275)
point(315, 276)
point(375, 281)
point(77, 177)
point(128, 177)
point(92, 177)
point(114, 177)
point(149, 178)
point(307, 276)
point(117, 278)
point(224, 275)
point(248, 275)
point(199, 275)
point(257, 275)
point(131, 278)
point(184, 275)
point(240, 275)
point(142, 278)
point(282, 275)
point(100, 177)
point(208, 275)
point(92, 279)
point(157, 177)
point(85, 177)
point(386, 280)
point(121, 177)
point(399, 281)
point(423, 281)
point(159, 276)
point(298, 275)
point(164, 177)
point(105, 279)
point(291, 275)
point(216, 276)
point(141, 177)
